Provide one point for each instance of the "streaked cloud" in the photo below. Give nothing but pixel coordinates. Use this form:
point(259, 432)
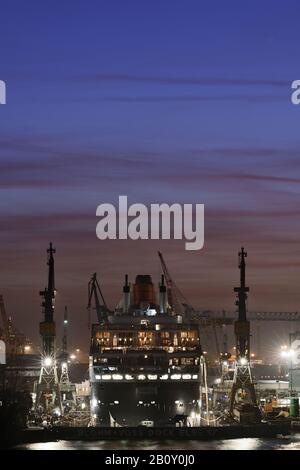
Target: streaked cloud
point(172, 80)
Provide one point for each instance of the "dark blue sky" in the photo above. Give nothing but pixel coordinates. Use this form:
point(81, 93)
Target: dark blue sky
point(165, 101)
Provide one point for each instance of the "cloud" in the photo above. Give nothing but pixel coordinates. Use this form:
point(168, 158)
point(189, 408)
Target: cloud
point(25, 164)
point(171, 80)
point(265, 178)
point(194, 177)
point(196, 98)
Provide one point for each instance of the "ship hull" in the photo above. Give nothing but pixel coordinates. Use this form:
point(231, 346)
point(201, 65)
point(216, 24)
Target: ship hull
point(157, 404)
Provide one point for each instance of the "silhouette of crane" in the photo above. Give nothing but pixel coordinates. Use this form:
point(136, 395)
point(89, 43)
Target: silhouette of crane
point(94, 292)
point(178, 303)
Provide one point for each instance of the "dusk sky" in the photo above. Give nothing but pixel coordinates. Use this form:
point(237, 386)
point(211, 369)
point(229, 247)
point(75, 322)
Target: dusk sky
point(162, 101)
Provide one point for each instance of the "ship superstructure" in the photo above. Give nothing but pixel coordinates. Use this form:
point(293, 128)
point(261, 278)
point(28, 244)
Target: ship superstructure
point(145, 360)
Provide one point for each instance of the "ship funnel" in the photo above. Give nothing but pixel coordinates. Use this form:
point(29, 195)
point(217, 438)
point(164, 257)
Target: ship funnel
point(143, 292)
point(162, 296)
point(126, 293)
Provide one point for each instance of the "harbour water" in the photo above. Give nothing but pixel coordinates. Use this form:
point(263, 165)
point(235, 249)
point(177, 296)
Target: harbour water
point(280, 443)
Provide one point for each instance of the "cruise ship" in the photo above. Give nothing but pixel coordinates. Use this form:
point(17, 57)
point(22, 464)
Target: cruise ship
point(145, 359)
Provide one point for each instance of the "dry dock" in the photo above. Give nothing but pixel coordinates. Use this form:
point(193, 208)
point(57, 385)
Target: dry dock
point(200, 433)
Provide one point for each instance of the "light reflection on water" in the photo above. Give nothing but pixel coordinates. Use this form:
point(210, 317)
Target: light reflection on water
point(288, 443)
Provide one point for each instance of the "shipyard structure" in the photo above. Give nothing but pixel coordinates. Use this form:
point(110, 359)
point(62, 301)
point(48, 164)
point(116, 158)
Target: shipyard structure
point(146, 363)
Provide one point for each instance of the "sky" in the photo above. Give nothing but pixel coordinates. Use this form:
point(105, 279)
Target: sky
point(168, 101)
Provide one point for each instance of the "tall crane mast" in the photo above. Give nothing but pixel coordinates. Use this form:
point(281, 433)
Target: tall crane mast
point(65, 334)
point(242, 326)
point(67, 389)
point(242, 380)
point(47, 327)
point(64, 376)
point(48, 384)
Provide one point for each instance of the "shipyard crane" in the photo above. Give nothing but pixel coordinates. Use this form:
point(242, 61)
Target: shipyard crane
point(48, 391)
point(94, 291)
point(67, 389)
point(64, 376)
point(216, 318)
point(65, 334)
point(242, 379)
point(176, 300)
point(5, 321)
point(179, 303)
point(213, 320)
point(15, 341)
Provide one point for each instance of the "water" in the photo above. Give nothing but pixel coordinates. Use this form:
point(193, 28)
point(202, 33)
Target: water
point(284, 443)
